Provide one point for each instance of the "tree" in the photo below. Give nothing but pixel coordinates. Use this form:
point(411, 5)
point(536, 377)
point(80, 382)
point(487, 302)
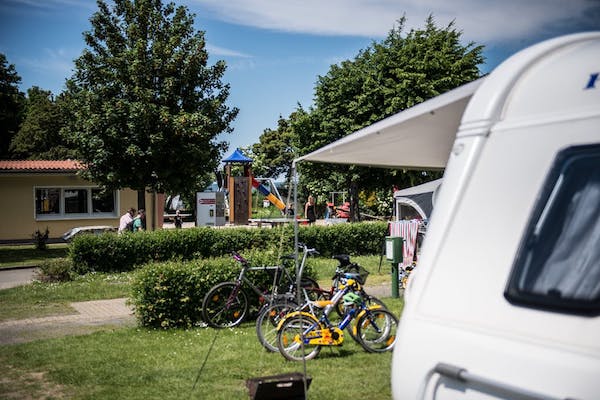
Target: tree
point(383, 79)
point(11, 105)
point(39, 136)
point(274, 153)
point(145, 107)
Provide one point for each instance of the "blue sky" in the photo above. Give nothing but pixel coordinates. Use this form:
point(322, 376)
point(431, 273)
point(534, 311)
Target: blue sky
point(276, 49)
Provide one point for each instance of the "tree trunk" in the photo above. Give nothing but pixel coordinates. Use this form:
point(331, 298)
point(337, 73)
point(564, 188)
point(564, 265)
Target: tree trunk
point(354, 210)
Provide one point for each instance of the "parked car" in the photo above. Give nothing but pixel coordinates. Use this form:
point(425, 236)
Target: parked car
point(87, 230)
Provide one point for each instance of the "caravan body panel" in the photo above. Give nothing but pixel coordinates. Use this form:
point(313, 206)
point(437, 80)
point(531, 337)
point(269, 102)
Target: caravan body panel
point(531, 108)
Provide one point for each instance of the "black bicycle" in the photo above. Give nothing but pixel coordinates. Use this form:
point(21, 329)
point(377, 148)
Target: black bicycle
point(226, 304)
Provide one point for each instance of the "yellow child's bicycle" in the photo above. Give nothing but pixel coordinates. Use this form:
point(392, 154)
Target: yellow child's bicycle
point(301, 334)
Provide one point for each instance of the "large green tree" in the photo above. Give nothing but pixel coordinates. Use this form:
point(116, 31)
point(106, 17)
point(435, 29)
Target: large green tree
point(274, 153)
point(39, 136)
point(146, 108)
point(386, 78)
point(11, 105)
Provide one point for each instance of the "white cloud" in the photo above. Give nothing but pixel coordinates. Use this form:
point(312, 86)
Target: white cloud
point(221, 51)
point(480, 20)
point(52, 4)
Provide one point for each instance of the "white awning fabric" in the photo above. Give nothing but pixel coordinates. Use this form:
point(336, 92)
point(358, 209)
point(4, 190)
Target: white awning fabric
point(420, 137)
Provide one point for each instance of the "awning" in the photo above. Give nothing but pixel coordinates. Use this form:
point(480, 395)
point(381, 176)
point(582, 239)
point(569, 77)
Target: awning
point(419, 137)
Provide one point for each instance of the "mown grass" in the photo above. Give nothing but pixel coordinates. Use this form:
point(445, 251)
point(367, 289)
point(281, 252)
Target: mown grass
point(43, 299)
point(140, 363)
point(136, 363)
point(28, 255)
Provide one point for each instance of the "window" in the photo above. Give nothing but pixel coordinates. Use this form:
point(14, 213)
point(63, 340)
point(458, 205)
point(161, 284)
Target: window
point(65, 203)
point(103, 202)
point(75, 201)
point(558, 264)
point(47, 201)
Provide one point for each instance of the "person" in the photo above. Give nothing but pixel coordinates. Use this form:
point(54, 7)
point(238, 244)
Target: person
point(329, 211)
point(178, 220)
point(126, 221)
point(309, 210)
point(138, 221)
point(290, 210)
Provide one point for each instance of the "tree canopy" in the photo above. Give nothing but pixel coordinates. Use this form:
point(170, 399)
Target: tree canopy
point(11, 105)
point(145, 108)
point(39, 135)
point(383, 79)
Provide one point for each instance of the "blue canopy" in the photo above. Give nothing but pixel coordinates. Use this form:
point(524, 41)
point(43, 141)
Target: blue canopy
point(237, 157)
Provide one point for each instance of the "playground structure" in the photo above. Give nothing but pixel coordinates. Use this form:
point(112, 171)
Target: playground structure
point(240, 189)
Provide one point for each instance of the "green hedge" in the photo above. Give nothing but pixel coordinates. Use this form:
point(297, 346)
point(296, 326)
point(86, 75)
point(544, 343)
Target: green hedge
point(115, 253)
point(169, 294)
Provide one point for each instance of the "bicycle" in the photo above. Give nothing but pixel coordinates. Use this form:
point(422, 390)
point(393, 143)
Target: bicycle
point(301, 335)
point(226, 304)
point(269, 317)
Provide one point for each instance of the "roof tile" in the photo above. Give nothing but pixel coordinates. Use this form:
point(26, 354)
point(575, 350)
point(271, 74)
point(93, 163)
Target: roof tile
point(40, 165)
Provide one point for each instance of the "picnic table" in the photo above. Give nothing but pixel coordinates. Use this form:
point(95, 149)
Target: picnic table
point(273, 222)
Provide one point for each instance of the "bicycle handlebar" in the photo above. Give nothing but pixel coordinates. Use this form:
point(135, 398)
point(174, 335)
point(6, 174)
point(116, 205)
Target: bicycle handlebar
point(306, 249)
point(238, 257)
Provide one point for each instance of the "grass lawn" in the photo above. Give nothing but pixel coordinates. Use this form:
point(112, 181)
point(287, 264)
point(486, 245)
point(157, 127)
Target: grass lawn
point(140, 363)
point(137, 363)
point(28, 255)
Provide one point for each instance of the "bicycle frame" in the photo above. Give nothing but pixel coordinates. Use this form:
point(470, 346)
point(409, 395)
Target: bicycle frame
point(242, 279)
point(330, 335)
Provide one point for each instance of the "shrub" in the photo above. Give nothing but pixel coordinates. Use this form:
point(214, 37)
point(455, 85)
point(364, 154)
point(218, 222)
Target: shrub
point(169, 294)
point(56, 270)
point(115, 253)
point(41, 239)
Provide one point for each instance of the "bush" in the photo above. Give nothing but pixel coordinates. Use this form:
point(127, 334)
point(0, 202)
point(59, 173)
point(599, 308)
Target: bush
point(117, 253)
point(170, 294)
point(56, 270)
point(40, 239)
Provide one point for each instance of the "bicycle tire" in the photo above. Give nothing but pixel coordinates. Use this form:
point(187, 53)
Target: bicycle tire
point(225, 305)
point(267, 321)
point(377, 330)
point(313, 290)
point(293, 327)
point(370, 302)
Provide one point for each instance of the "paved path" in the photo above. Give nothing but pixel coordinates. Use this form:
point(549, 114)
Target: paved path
point(12, 277)
point(90, 316)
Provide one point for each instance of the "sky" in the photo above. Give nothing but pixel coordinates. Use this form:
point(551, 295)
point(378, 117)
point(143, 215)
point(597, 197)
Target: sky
point(275, 50)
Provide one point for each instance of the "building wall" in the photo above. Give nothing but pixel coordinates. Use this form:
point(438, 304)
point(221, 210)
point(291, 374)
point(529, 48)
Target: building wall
point(17, 202)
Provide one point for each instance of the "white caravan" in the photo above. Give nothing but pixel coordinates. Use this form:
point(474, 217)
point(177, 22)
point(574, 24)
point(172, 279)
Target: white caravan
point(507, 305)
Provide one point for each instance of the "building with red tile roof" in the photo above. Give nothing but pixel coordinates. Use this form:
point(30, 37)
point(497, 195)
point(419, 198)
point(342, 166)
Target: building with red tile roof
point(40, 194)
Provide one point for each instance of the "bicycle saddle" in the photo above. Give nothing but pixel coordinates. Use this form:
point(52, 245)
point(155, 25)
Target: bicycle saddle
point(343, 259)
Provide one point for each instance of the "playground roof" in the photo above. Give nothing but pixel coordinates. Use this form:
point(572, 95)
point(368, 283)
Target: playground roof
point(237, 157)
point(420, 137)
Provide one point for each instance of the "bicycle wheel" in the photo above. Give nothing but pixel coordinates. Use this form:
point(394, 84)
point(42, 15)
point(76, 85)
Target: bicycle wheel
point(225, 305)
point(313, 290)
point(370, 301)
point(289, 337)
point(267, 321)
point(376, 330)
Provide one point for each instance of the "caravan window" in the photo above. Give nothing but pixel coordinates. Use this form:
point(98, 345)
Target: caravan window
point(558, 265)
